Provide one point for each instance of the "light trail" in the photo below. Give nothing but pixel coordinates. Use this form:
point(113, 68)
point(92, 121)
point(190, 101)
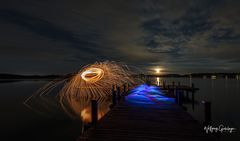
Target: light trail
point(94, 81)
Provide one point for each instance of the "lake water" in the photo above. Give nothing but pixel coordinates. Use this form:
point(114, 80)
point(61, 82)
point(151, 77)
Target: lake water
point(224, 95)
point(18, 121)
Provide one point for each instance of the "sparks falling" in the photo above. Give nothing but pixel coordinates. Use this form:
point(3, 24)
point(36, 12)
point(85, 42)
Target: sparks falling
point(93, 81)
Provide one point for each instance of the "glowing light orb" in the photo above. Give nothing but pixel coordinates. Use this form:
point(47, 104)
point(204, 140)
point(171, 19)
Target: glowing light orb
point(158, 70)
point(92, 75)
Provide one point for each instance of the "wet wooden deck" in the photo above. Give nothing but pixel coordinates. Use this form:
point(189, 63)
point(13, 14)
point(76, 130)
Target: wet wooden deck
point(147, 122)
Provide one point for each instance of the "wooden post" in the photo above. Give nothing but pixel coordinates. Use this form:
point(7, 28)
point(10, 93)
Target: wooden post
point(176, 98)
point(118, 93)
point(187, 95)
point(192, 86)
point(114, 96)
point(164, 83)
point(175, 90)
point(193, 99)
point(94, 112)
point(179, 94)
point(170, 91)
point(178, 88)
point(207, 112)
point(82, 127)
point(124, 89)
point(173, 83)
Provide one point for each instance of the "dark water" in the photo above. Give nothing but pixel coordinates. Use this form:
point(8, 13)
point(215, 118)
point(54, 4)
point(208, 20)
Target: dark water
point(224, 95)
point(19, 122)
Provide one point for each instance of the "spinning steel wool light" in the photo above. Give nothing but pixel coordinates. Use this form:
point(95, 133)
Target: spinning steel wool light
point(92, 75)
point(93, 81)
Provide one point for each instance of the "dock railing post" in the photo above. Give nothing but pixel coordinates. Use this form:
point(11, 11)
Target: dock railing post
point(94, 110)
point(193, 99)
point(118, 93)
point(174, 89)
point(207, 112)
point(114, 96)
point(179, 90)
point(178, 97)
point(124, 88)
point(187, 95)
point(169, 90)
point(193, 87)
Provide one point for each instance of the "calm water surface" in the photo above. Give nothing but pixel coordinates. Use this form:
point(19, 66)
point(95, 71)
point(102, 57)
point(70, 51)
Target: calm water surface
point(224, 95)
point(46, 121)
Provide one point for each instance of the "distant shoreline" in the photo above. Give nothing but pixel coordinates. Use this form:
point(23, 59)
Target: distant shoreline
point(19, 80)
point(195, 75)
point(7, 78)
point(17, 77)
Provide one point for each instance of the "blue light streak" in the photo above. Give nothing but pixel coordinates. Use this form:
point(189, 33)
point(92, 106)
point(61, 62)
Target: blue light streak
point(145, 94)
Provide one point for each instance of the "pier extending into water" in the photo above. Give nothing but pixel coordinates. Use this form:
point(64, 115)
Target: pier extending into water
point(146, 113)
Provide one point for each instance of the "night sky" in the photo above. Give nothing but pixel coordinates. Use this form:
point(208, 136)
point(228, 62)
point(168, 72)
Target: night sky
point(179, 36)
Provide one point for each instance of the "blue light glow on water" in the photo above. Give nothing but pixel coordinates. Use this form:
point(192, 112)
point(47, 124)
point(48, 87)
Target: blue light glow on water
point(145, 94)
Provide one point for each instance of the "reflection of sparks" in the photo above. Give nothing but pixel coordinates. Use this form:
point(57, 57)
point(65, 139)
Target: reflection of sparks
point(91, 82)
point(86, 114)
point(92, 75)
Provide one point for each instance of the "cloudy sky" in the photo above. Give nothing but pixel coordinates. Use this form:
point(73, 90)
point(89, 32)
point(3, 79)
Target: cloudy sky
point(60, 36)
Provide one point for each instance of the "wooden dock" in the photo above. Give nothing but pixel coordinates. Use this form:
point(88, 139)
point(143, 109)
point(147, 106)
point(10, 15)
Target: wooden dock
point(162, 120)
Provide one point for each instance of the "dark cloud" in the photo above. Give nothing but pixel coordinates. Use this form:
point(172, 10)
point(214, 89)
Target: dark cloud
point(177, 32)
point(49, 30)
point(225, 35)
point(60, 36)
point(194, 37)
